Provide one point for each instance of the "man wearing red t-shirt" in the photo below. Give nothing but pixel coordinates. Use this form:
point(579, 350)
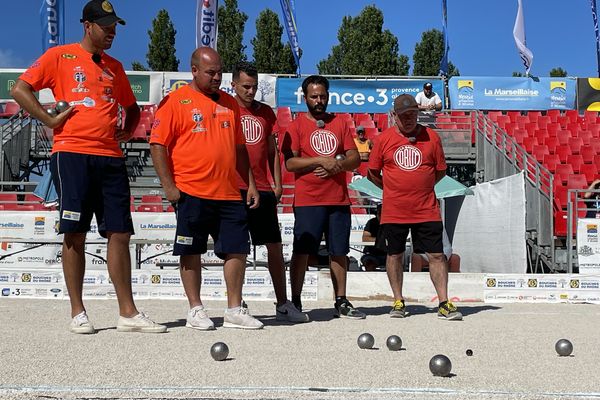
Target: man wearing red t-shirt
point(257, 123)
point(198, 150)
point(319, 149)
point(412, 160)
point(87, 165)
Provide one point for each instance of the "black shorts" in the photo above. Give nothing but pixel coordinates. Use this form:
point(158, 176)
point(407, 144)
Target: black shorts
point(426, 236)
point(311, 222)
point(223, 220)
point(90, 184)
point(263, 223)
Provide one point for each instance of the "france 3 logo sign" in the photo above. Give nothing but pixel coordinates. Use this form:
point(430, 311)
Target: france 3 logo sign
point(558, 94)
point(323, 142)
point(466, 97)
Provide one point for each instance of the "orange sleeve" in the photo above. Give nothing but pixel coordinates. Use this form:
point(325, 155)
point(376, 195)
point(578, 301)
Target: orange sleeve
point(163, 128)
point(41, 73)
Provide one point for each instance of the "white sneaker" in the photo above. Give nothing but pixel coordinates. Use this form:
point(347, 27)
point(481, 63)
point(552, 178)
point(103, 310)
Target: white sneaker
point(288, 312)
point(197, 318)
point(139, 323)
point(81, 324)
point(241, 319)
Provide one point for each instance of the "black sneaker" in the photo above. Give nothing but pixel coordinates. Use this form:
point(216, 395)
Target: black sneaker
point(346, 310)
point(449, 312)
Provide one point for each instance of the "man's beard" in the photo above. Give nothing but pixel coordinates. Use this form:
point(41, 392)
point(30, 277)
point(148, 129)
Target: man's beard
point(317, 109)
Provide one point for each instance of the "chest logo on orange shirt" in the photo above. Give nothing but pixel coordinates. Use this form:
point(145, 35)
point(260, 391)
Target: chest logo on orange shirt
point(323, 142)
point(198, 119)
point(79, 77)
point(408, 158)
point(253, 129)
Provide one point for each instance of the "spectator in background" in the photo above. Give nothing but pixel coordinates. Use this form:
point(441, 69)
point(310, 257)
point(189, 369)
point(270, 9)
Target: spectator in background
point(420, 260)
point(593, 207)
point(429, 102)
point(363, 144)
point(87, 164)
point(373, 256)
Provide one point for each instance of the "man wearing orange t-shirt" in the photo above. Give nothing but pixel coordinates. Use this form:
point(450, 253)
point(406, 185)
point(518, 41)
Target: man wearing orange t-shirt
point(198, 150)
point(319, 150)
point(413, 161)
point(257, 123)
point(87, 165)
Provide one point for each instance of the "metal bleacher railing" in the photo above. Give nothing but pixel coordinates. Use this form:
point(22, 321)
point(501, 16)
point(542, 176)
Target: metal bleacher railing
point(499, 155)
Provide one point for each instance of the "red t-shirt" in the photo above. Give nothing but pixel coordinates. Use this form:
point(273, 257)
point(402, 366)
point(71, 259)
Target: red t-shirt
point(201, 136)
point(257, 125)
point(304, 137)
point(96, 90)
point(408, 175)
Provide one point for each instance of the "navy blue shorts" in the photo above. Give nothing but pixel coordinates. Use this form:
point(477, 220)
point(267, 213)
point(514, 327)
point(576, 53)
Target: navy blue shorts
point(262, 221)
point(312, 222)
point(426, 236)
point(224, 220)
point(90, 184)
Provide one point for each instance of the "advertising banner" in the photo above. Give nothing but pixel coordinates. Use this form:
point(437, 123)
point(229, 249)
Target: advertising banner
point(496, 93)
point(349, 95)
point(146, 86)
point(266, 85)
point(588, 245)
point(554, 288)
point(588, 94)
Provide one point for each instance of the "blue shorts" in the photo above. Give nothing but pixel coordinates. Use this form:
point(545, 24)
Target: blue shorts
point(262, 221)
point(224, 220)
point(90, 184)
point(312, 222)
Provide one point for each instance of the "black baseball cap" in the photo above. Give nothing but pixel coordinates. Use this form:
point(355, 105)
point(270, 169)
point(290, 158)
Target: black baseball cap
point(427, 85)
point(100, 12)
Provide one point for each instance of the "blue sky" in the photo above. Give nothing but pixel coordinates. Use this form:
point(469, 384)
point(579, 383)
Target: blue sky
point(560, 33)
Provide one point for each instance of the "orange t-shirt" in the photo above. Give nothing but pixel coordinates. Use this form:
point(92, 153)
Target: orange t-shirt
point(96, 90)
point(201, 136)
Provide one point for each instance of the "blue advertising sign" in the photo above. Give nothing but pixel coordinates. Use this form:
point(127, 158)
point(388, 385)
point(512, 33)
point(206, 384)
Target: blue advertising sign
point(347, 95)
point(496, 93)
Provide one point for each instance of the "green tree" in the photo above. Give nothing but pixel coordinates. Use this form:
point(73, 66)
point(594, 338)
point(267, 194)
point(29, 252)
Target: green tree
point(558, 72)
point(138, 66)
point(428, 54)
point(161, 48)
point(517, 74)
point(270, 55)
point(231, 23)
point(365, 48)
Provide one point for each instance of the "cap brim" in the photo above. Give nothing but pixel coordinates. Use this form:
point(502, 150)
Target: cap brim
point(407, 109)
point(109, 20)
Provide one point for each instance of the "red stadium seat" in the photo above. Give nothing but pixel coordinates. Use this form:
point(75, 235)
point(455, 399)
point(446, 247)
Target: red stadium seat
point(10, 109)
point(534, 115)
point(152, 199)
point(140, 134)
point(562, 173)
point(590, 171)
point(149, 208)
point(551, 161)
point(575, 143)
point(575, 161)
point(563, 151)
point(588, 153)
point(577, 181)
point(551, 142)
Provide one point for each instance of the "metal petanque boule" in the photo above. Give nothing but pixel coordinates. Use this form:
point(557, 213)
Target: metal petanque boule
point(52, 112)
point(469, 352)
point(440, 365)
point(219, 351)
point(61, 106)
point(366, 341)
point(394, 343)
point(340, 157)
point(564, 347)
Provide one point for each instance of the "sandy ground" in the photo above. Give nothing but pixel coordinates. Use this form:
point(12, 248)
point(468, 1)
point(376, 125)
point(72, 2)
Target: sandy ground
point(513, 354)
